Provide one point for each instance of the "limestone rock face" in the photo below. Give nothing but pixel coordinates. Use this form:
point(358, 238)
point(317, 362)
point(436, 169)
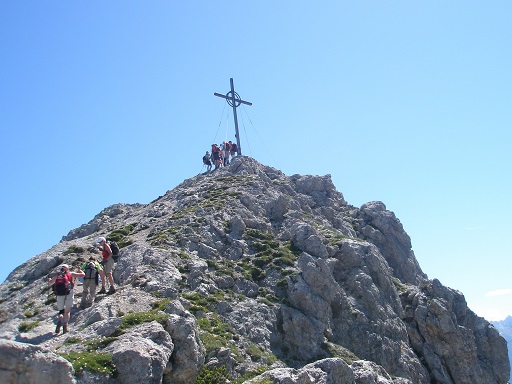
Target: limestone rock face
point(248, 274)
point(30, 364)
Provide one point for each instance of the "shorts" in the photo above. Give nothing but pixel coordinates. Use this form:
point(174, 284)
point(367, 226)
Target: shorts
point(109, 264)
point(65, 301)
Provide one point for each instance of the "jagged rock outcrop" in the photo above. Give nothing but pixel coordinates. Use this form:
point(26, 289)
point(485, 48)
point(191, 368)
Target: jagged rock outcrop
point(504, 327)
point(257, 276)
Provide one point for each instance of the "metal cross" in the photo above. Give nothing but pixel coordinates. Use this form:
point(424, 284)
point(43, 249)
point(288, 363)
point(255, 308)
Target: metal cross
point(234, 101)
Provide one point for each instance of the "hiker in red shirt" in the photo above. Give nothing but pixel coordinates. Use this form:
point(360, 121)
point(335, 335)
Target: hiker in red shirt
point(63, 287)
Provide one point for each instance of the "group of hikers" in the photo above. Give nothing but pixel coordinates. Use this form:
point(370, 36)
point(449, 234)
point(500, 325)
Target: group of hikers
point(220, 155)
point(91, 271)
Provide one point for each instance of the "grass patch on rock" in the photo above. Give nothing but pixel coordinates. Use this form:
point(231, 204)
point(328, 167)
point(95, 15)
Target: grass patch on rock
point(92, 362)
point(120, 236)
point(336, 350)
point(214, 375)
point(73, 249)
point(133, 319)
point(215, 334)
point(27, 326)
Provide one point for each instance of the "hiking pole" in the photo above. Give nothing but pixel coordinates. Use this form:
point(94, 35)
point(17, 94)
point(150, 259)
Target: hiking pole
point(201, 169)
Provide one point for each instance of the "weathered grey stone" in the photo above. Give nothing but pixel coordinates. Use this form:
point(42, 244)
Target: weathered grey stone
point(30, 364)
point(142, 354)
point(188, 356)
point(383, 229)
point(327, 371)
point(307, 239)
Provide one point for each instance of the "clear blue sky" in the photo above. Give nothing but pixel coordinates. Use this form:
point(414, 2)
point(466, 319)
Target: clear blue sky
point(404, 102)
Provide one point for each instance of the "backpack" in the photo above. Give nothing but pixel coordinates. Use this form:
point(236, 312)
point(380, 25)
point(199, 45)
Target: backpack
point(115, 250)
point(233, 147)
point(91, 272)
point(63, 284)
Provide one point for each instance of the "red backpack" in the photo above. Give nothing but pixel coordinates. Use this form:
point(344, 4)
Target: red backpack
point(63, 284)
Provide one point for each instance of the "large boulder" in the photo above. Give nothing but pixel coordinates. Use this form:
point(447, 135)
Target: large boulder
point(30, 364)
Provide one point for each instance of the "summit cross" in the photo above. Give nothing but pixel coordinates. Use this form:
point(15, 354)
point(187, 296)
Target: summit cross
point(234, 101)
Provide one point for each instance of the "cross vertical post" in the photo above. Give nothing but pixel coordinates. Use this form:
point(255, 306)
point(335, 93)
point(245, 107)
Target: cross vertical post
point(234, 100)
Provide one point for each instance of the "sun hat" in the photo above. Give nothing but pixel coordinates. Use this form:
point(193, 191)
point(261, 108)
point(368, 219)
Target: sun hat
point(64, 266)
point(100, 239)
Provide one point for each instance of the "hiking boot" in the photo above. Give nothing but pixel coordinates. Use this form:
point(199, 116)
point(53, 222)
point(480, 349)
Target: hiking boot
point(111, 291)
point(57, 328)
point(102, 290)
point(65, 329)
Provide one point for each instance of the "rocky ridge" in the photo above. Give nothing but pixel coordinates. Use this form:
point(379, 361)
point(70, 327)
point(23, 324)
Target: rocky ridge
point(248, 275)
point(504, 327)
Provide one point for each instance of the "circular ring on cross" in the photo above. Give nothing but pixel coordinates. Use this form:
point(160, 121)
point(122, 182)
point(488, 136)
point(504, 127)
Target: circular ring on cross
point(229, 99)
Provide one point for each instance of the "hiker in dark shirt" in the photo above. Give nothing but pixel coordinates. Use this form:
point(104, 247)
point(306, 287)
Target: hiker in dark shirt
point(216, 155)
point(207, 162)
point(233, 150)
point(92, 270)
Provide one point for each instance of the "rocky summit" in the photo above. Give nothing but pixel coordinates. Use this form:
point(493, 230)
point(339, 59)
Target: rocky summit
point(247, 275)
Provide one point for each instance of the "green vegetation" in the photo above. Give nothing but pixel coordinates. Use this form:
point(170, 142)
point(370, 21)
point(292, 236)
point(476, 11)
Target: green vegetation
point(255, 352)
point(336, 350)
point(334, 238)
point(283, 283)
point(26, 326)
point(287, 255)
point(400, 287)
point(202, 303)
point(120, 236)
point(251, 373)
point(30, 310)
point(132, 319)
point(215, 375)
point(164, 236)
point(91, 361)
point(225, 267)
point(91, 345)
point(216, 334)
point(50, 299)
point(270, 254)
point(73, 249)
point(99, 343)
point(16, 286)
point(161, 305)
point(254, 233)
